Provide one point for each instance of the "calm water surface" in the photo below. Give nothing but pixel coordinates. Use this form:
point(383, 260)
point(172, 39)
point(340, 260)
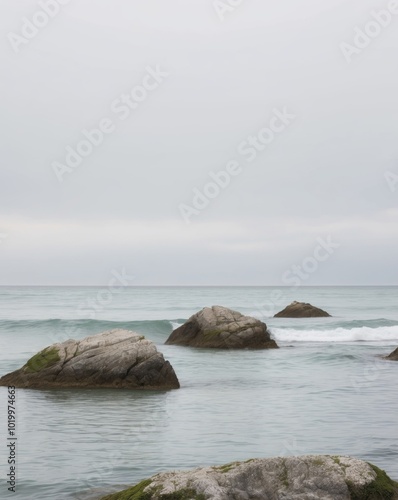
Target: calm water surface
point(325, 391)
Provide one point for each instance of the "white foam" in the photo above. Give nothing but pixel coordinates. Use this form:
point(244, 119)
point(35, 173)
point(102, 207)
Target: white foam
point(365, 334)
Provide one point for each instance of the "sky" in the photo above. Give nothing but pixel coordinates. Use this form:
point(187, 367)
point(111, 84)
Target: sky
point(199, 142)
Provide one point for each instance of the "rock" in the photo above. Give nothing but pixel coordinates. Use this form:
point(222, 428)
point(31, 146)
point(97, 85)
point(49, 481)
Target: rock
point(393, 356)
point(220, 327)
point(291, 478)
point(301, 310)
point(114, 359)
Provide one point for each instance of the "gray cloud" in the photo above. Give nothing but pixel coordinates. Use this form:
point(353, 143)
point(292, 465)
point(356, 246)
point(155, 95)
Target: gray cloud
point(323, 175)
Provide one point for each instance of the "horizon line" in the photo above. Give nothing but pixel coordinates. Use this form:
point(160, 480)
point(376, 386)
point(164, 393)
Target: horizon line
point(199, 286)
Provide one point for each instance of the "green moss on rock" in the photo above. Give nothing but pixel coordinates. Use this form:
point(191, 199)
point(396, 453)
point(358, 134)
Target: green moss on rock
point(137, 493)
point(134, 493)
point(382, 488)
point(283, 476)
point(318, 462)
point(42, 360)
point(227, 467)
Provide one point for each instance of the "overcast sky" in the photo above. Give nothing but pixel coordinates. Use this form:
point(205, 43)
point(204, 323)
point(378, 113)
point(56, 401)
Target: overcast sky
point(200, 81)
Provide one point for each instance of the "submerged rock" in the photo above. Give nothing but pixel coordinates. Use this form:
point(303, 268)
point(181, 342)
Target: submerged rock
point(220, 327)
point(393, 356)
point(114, 359)
point(301, 310)
point(312, 477)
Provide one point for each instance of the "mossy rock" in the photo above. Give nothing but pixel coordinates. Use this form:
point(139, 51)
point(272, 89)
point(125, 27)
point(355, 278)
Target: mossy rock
point(134, 493)
point(319, 461)
point(137, 493)
point(284, 476)
point(227, 467)
point(44, 359)
point(351, 477)
point(382, 488)
point(219, 327)
point(115, 359)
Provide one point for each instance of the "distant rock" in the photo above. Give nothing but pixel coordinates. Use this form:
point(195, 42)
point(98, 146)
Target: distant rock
point(113, 359)
point(301, 310)
point(315, 477)
point(220, 327)
point(393, 356)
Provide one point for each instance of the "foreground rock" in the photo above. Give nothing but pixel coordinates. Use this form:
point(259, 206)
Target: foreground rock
point(223, 328)
point(301, 310)
point(393, 356)
point(116, 359)
point(291, 478)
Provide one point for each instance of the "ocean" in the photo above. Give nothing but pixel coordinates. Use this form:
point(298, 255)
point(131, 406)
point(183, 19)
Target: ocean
point(326, 390)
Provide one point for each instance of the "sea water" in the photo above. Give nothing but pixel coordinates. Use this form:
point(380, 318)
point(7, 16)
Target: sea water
point(327, 390)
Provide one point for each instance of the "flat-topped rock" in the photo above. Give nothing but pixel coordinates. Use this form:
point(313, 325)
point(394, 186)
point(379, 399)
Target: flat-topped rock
point(393, 356)
point(315, 477)
point(113, 359)
point(301, 310)
point(220, 327)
